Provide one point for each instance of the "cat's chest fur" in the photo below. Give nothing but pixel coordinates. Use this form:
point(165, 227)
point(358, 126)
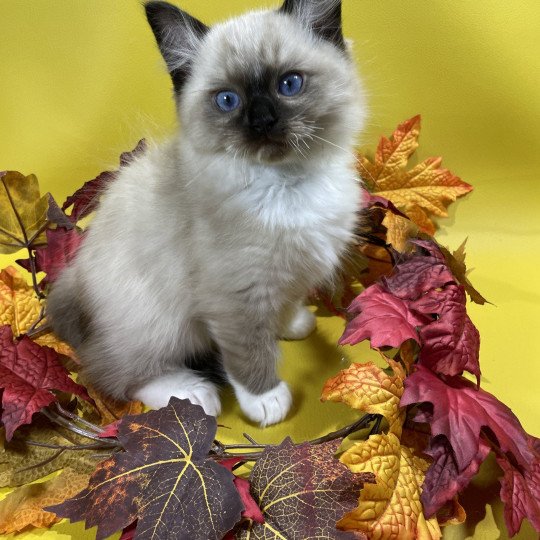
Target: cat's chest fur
point(286, 228)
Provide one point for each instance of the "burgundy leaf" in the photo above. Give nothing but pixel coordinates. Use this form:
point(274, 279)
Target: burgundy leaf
point(62, 245)
point(57, 216)
point(460, 411)
point(444, 479)
point(369, 199)
point(165, 480)
point(110, 430)
point(451, 343)
point(520, 490)
point(419, 273)
point(382, 318)
point(28, 373)
point(86, 199)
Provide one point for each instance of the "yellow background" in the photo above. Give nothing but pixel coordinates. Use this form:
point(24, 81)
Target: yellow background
point(81, 81)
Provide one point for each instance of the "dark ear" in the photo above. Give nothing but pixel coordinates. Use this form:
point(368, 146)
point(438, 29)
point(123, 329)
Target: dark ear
point(178, 36)
point(323, 17)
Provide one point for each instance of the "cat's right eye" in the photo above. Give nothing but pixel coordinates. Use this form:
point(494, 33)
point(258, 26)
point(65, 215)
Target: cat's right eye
point(227, 100)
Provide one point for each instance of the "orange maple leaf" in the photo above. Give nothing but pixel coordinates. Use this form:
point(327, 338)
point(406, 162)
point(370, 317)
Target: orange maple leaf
point(368, 388)
point(421, 192)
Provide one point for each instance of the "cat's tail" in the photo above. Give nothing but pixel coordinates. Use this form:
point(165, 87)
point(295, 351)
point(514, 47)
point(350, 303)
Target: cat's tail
point(64, 309)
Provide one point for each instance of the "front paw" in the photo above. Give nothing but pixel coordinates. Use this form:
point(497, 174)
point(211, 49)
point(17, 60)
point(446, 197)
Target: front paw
point(267, 408)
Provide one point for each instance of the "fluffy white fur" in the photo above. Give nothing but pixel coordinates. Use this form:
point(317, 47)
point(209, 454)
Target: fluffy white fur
point(202, 243)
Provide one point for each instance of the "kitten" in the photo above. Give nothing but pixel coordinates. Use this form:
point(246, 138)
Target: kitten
point(207, 246)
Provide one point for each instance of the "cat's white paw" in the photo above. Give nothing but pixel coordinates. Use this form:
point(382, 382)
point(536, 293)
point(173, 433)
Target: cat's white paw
point(183, 385)
point(268, 408)
point(301, 324)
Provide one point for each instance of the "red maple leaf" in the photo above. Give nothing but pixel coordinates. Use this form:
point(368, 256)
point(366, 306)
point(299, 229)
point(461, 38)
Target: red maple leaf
point(28, 373)
point(520, 490)
point(444, 479)
point(461, 411)
point(451, 343)
point(419, 273)
point(383, 318)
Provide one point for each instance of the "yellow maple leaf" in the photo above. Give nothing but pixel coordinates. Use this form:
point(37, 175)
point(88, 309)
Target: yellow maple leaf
point(391, 508)
point(24, 506)
point(423, 191)
point(20, 308)
point(368, 388)
point(23, 212)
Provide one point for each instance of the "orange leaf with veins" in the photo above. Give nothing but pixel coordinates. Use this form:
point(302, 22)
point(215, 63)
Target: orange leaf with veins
point(422, 192)
point(368, 388)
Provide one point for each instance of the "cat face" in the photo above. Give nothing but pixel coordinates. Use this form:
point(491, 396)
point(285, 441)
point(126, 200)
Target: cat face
point(270, 86)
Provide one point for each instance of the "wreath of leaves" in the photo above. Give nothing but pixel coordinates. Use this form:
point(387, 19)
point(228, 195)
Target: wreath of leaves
point(426, 426)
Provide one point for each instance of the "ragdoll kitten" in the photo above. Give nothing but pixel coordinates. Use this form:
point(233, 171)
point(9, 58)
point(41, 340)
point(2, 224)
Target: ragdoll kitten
point(207, 246)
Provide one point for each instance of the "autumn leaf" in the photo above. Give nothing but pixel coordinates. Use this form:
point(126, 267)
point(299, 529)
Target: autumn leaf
point(22, 463)
point(450, 343)
point(62, 245)
point(20, 309)
point(520, 490)
point(461, 411)
point(381, 317)
point(368, 388)
point(23, 212)
point(444, 479)
point(86, 199)
point(24, 506)
point(391, 508)
point(424, 191)
point(28, 373)
point(302, 491)
point(420, 272)
point(164, 479)
point(456, 263)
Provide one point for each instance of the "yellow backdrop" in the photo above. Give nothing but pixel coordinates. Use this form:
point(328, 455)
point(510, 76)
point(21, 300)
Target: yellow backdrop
point(81, 81)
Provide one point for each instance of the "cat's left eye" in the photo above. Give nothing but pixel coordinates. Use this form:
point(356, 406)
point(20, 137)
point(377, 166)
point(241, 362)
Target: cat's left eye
point(290, 84)
point(227, 100)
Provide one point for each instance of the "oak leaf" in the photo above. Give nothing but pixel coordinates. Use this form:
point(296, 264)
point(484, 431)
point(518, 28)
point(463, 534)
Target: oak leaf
point(302, 491)
point(165, 480)
point(368, 388)
point(28, 373)
point(421, 192)
point(23, 212)
point(24, 506)
point(20, 308)
point(391, 508)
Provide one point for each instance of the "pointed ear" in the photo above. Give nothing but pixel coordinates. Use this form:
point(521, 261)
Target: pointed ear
point(323, 17)
point(178, 36)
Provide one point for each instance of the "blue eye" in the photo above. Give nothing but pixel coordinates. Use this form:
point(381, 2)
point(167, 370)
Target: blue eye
point(227, 101)
point(290, 84)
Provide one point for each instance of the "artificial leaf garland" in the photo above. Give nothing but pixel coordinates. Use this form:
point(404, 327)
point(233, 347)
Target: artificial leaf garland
point(414, 302)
